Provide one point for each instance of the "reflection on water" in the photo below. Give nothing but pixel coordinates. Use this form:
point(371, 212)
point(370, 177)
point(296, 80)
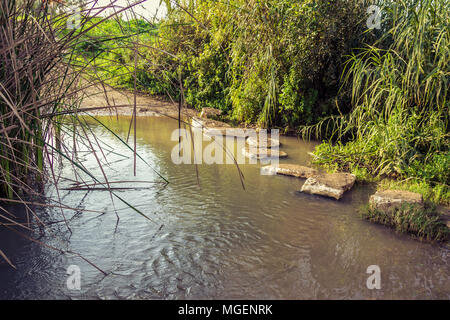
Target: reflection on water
point(215, 239)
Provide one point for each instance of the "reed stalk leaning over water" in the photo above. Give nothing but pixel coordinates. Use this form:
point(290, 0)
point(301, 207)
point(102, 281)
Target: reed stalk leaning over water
point(40, 82)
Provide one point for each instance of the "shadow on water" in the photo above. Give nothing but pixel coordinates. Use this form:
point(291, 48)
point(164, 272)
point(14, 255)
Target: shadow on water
point(216, 240)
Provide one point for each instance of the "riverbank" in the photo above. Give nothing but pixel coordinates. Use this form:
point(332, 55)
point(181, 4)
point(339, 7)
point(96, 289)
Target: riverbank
point(111, 101)
point(121, 102)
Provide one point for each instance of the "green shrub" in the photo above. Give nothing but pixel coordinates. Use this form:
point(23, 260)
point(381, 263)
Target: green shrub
point(288, 57)
point(273, 62)
point(435, 168)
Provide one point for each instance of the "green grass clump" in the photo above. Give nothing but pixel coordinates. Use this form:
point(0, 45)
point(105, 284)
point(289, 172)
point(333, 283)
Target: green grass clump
point(423, 223)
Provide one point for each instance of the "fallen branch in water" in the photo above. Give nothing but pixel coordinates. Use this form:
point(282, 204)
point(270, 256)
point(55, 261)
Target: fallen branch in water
point(50, 247)
point(47, 205)
point(103, 188)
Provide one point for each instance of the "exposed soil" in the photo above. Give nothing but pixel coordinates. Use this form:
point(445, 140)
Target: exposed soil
point(121, 102)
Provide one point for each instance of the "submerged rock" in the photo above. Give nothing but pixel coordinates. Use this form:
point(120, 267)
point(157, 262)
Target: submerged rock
point(210, 112)
point(263, 153)
point(387, 200)
point(269, 143)
point(292, 170)
point(268, 170)
point(331, 185)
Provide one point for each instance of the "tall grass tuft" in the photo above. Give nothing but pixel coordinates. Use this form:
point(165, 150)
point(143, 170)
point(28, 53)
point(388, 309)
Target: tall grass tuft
point(41, 88)
point(32, 82)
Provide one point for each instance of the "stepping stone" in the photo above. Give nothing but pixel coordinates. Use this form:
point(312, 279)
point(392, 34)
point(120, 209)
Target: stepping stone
point(228, 132)
point(331, 185)
point(210, 112)
point(197, 123)
point(268, 170)
point(208, 123)
point(388, 200)
point(292, 170)
point(269, 143)
point(263, 153)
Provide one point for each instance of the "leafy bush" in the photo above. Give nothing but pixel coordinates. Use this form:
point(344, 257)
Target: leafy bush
point(436, 168)
point(276, 62)
point(288, 57)
point(198, 53)
point(398, 125)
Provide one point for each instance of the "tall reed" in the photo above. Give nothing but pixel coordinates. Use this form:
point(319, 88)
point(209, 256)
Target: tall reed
point(398, 125)
point(41, 87)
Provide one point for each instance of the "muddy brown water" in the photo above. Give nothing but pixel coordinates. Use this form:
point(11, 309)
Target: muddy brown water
point(215, 239)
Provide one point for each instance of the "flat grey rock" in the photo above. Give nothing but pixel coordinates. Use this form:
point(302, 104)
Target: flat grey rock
point(389, 199)
point(263, 153)
point(208, 123)
point(331, 185)
point(292, 170)
point(269, 143)
point(227, 132)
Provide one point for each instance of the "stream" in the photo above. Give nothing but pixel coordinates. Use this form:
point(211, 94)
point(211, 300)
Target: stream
point(209, 238)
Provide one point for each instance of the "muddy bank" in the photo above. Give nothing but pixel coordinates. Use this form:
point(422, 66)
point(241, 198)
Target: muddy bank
point(121, 102)
point(100, 101)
